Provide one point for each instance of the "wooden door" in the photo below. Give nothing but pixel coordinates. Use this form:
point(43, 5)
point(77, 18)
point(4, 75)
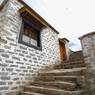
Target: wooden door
point(62, 51)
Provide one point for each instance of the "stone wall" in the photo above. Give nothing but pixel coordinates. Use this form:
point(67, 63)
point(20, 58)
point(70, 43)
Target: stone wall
point(88, 45)
point(19, 63)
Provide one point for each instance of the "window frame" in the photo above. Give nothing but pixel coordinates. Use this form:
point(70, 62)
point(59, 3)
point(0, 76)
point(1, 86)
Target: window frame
point(39, 45)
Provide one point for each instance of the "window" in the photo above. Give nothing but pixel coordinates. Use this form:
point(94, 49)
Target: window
point(30, 35)
point(30, 31)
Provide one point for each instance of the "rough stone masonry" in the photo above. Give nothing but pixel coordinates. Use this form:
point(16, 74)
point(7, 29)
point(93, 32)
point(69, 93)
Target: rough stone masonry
point(88, 45)
point(19, 63)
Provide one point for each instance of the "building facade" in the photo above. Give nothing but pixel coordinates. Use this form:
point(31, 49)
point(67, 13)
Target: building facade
point(27, 44)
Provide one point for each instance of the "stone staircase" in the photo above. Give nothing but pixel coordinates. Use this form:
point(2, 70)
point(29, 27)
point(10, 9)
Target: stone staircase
point(63, 79)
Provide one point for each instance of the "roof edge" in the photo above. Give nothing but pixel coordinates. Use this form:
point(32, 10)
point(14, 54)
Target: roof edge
point(26, 5)
point(65, 39)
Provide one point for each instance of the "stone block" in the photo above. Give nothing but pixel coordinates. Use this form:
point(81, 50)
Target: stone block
point(2, 83)
point(5, 77)
point(5, 55)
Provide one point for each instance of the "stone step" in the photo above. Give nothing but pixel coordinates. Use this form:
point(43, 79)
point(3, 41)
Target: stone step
point(30, 93)
point(59, 78)
point(74, 66)
point(69, 65)
point(57, 85)
point(75, 71)
point(49, 91)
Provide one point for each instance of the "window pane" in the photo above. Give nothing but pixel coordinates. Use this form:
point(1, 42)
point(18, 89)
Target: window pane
point(34, 35)
point(25, 38)
point(33, 42)
point(30, 31)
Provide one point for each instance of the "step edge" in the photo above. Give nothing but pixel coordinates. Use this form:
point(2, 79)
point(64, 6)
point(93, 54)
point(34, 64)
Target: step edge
point(54, 89)
point(63, 76)
point(69, 83)
point(63, 70)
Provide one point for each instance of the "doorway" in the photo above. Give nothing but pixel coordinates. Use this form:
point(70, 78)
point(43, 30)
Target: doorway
point(62, 51)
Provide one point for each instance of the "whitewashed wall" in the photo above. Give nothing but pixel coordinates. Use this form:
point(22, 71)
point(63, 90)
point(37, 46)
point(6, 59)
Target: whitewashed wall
point(19, 63)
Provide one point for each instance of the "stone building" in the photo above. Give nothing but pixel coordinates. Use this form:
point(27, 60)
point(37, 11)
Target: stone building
point(88, 46)
point(27, 44)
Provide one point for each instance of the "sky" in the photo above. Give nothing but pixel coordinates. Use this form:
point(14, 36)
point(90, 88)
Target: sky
point(1, 1)
point(72, 18)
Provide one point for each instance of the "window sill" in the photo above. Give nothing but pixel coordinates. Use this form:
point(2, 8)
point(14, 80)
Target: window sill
point(32, 46)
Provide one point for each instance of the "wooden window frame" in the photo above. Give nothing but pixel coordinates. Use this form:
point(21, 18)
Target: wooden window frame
point(39, 45)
